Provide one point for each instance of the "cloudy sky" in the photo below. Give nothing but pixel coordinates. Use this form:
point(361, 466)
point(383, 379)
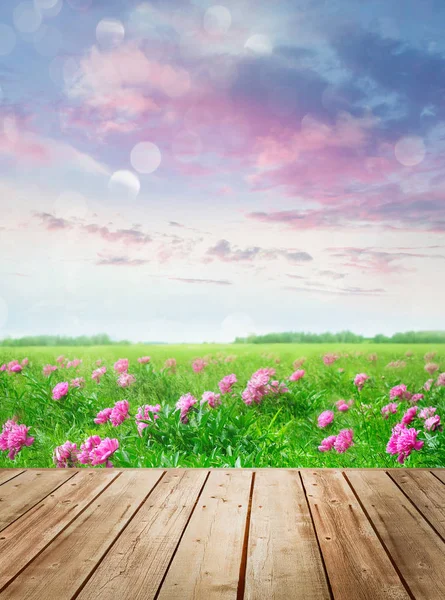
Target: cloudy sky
point(190, 171)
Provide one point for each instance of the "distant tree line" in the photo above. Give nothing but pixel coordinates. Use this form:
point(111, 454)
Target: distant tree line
point(344, 337)
point(101, 339)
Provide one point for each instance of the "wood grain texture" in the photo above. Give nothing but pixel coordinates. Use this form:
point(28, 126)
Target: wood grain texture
point(357, 564)
point(414, 546)
point(21, 541)
point(426, 492)
point(21, 493)
point(207, 563)
point(7, 474)
point(283, 559)
point(440, 474)
point(64, 566)
point(134, 567)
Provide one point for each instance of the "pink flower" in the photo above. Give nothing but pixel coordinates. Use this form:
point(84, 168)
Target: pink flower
point(359, 380)
point(146, 413)
point(198, 365)
point(344, 406)
point(429, 356)
point(25, 362)
point(373, 357)
point(14, 437)
point(60, 359)
point(403, 441)
point(441, 380)
point(15, 367)
point(185, 404)
point(327, 444)
point(119, 412)
point(3, 367)
point(399, 391)
point(170, 363)
point(416, 398)
point(431, 368)
point(425, 413)
point(78, 382)
point(325, 418)
point(125, 380)
point(65, 456)
point(226, 383)
point(84, 456)
point(397, 364)
point(344, 440)
point(428, 384)
point(329, 358)
point(257, 386)
point(409, 415)
point(60, 390)
point(48, 369)
point(121, 365)
point(98, 373)
point(103, 416)
point(298, 363)
point(73, 364)
point(144, 360)
point(276, 387)
point(297, 375)
point(432, 423)
point(101, 453)
point(212, 399)
point(390, 408)
point(98, 362)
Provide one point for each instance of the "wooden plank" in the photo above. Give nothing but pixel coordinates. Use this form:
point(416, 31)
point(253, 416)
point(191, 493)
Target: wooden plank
point(284, 559)
point(7, 474)
point(61, 570)
point(207, 563)
point(135, 565)
point(21, 493)
point(357, 564)
point(29, 535)
point(417, 550)
point(426, 492)
point(439, 473)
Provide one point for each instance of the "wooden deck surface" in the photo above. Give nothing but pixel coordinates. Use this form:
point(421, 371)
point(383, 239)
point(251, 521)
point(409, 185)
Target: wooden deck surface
point(228, 534)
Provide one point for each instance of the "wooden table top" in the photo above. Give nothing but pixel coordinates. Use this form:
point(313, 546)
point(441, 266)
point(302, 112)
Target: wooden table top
point(309, 534)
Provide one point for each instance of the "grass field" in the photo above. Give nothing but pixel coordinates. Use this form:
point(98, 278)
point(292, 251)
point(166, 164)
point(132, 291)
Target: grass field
point(278, 429)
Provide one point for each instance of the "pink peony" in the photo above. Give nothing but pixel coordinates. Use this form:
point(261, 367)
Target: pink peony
point(329, 358)
point(409, 415)
point(121, 365)
point(403, 441)
point(65, 456)
point(427, 385)
point(60, 390)
point(399, 391)
point(212, 399)
point(48, 369)
point(432, 423)
point(431, 368)
point(298, 363)
point(425, 413)
point(73, 364)
point(276, 387)
point(125, 380)
point(170, 363)
point(146, 413)
point(325, 418)
point(60, 359)
point(185, 404)
point(15, 368)
point(103, 451)
point(226, 383)
point(98, 373)
point(416, 397)
point(344, 440)
point(359, 380)
point(14, 437)
point(84, 455)
point(119, 412)
point(296, 375)
point(25, 362)
point(390, 408)
point(327, 444)
point(144, 360)
point(103, 416)
point(441, 380)
point(198, 365)
point(78, 382)
point(3, 367)
point(344, 406)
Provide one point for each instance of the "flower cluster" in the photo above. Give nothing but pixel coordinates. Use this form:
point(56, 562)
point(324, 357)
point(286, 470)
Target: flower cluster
point(115, 415)
point(340, 442)
point(403, 441)
point(185, 404)
point(147, 412)
point(226, 383)
point(14, 437)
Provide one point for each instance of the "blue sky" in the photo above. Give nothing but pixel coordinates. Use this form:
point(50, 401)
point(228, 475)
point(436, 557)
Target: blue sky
point(191, 171)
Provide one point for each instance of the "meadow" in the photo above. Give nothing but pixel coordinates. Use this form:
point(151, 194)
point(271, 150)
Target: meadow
point(285, 405)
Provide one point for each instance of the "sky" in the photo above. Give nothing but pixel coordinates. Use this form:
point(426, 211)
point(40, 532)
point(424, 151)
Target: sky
point(184, 171)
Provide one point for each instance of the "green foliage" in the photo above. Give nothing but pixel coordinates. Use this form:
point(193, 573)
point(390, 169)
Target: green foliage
point(344, 337)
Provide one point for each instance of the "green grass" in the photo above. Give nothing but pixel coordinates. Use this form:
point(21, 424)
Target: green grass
point(280, 432)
